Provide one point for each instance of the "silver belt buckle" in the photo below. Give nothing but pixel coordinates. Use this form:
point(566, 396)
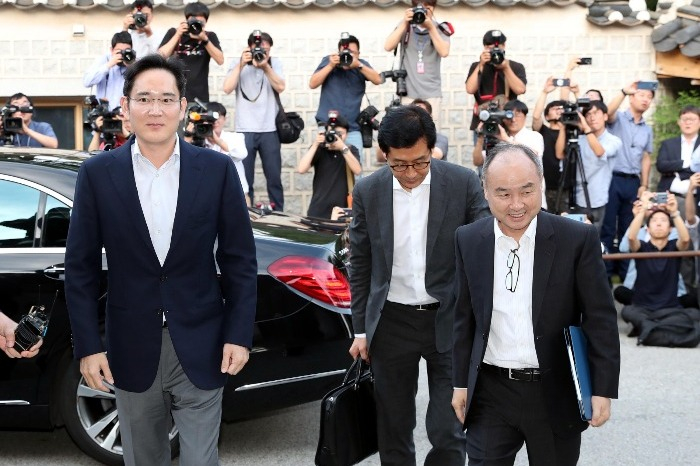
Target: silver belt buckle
point(510, 374)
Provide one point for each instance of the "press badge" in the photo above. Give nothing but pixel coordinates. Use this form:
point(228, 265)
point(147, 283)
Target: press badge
point(420, 67)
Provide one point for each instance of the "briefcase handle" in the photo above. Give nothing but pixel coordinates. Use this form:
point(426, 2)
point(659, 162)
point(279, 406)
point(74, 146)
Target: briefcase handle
point(357, 368)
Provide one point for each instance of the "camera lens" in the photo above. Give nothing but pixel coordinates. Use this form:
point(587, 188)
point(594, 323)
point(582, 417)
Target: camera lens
point(195, 27)
point(418, 15)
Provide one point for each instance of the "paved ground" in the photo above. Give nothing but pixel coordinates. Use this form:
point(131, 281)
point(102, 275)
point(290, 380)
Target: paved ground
point(656, 422)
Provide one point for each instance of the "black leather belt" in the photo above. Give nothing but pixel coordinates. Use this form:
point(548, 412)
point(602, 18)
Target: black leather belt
point(419, 307)
point(521, 375)
point(625, 175)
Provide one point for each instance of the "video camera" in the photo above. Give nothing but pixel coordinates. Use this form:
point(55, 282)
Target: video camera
point(492, 118)
point(345, 54)
point(140, 20)
point(128, 56)
point(368, 124)
point(399, 77)
point(257, 51)
point(10, 124)
point(420, 13)
point(570, 114)
point(31, 328)
point(203, 121)
point(100, 108)
point(195, 26)
point(331, 135)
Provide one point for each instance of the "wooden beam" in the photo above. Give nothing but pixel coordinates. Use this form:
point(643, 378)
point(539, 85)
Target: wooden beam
point(674, 63)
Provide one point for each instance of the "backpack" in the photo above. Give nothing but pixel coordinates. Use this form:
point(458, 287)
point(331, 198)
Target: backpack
point(673, 327)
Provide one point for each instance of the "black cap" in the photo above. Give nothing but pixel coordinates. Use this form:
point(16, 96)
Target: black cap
point(494, 36)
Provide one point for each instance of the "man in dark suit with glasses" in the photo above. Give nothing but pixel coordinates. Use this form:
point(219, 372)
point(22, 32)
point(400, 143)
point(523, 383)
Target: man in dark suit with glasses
point(402, 274)
point(522, 277)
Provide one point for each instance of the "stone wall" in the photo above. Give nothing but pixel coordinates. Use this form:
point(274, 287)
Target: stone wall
point(41, 57)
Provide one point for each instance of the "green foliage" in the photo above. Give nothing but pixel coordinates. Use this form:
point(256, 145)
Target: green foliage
point(666, 115)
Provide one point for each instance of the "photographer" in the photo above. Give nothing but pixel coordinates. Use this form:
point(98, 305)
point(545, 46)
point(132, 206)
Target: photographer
point(195, 46)
point(597, 151)
point(107, 72)
point(494, 74)
point(423, 46)
point(331, 159)
point(98, 141)
point(7, 339)
point(343, 85)
point(138, 24)
point(32, 133)
point(256, 78)
point(226, 142)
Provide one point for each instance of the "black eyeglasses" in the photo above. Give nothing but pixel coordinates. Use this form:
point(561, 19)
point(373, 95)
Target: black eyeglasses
point(402, 167)
point(513, 274)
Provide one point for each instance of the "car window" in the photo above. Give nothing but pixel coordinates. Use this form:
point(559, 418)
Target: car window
point(18, 206)
point(55, 226)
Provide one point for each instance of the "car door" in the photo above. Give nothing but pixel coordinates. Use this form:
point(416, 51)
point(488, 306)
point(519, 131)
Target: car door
point(33, 230)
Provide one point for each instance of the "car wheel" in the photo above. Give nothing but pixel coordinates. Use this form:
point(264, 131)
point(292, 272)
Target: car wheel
point(92, 421)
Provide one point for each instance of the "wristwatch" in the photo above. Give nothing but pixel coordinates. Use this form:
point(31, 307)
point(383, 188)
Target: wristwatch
point(345, 150)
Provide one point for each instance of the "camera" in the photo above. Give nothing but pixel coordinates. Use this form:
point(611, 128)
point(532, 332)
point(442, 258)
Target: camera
point(569, 116)
point(128, 56)
point(140, 20)
point(203, 121)
point(31, 329)
point(331, 135)
point(399, 77)
point(257, 51)
point(111, 125)
point(419, 14)
point(345, 54)
point(368, 124)
point(492, 118)
point(660, 198)
point(13, 125)
point(195, 26)
point(498, 55)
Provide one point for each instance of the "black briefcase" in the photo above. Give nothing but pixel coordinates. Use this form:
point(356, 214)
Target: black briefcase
point(349, 419)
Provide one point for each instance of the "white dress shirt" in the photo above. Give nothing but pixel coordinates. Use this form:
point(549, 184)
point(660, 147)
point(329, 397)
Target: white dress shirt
point(236, 150)
point(411, 208)
point(158, 191)
point(511, 341)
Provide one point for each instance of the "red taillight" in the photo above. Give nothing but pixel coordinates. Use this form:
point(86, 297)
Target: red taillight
point(314, 277)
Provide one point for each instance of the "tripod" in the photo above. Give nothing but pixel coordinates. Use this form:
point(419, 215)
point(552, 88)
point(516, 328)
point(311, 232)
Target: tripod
point(572, 163)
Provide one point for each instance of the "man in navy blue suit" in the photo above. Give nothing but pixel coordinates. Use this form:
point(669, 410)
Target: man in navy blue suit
point(166, 214)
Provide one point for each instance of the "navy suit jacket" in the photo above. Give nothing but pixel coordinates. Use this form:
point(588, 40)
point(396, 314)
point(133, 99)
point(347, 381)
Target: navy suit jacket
point(456, 198)
point(669, 162)
point(202, 313)
point(569, 288)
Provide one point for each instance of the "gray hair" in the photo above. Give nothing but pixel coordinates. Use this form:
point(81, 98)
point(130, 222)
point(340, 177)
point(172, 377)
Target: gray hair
point(504, 147)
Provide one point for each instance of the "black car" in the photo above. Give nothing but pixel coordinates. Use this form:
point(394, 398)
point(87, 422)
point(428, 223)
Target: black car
point(302, 328)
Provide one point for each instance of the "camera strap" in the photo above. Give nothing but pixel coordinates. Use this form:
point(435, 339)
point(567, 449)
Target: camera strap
point(240, 86)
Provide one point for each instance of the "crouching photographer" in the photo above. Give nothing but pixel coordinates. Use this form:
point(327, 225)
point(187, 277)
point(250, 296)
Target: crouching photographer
point(335, 165)
point(109, 128)
point(205, 128)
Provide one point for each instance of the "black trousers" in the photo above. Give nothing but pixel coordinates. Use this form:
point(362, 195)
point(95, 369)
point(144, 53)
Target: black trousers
point(503, 415)
point(404, 336)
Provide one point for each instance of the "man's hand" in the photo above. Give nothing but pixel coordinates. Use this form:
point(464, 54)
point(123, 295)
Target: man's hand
point(459, 403)
point(484, 58)
point(235, 357)
point(671, 203)
point(115, 59)
point(337, 145)
point(359, 348)
point(549, 85)
point(694, 181)
point(182, 29)
point(334, 59)
point(128, 21)
point(95, 369)
point(7, 339)
point(601, 410)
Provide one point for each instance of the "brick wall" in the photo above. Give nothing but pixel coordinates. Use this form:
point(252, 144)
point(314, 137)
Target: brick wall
point(46, 59)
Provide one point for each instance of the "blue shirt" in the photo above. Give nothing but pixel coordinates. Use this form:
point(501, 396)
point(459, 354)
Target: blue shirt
point(637, 138)
point(342, 90)
point(23, 140)
point(109, 82)
point(598, 170)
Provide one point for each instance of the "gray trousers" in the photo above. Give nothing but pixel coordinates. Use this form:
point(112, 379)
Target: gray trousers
point(145, 418)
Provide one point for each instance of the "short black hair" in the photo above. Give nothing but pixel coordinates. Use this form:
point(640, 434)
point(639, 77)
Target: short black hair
point(657, 210)
point(424, 103)
point(263, 36)
point(121, 37)
point(155, 61)
point(599, 104)
point(516, 106)
point(138, 4)
point(216, 107)
point(19, 95)
point(197, 9)
point(404, 126)
point(689, 109)
point(426, 3)
point(600, 94)
point(350, 39)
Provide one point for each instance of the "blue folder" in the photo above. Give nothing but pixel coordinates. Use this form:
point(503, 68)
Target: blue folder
point(576, 346)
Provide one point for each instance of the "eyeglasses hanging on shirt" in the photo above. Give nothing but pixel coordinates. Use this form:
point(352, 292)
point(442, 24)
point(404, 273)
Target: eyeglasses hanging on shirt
point(513, 263)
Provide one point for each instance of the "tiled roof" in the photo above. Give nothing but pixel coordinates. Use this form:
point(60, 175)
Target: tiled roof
point(600, 12)
point(682, 33)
